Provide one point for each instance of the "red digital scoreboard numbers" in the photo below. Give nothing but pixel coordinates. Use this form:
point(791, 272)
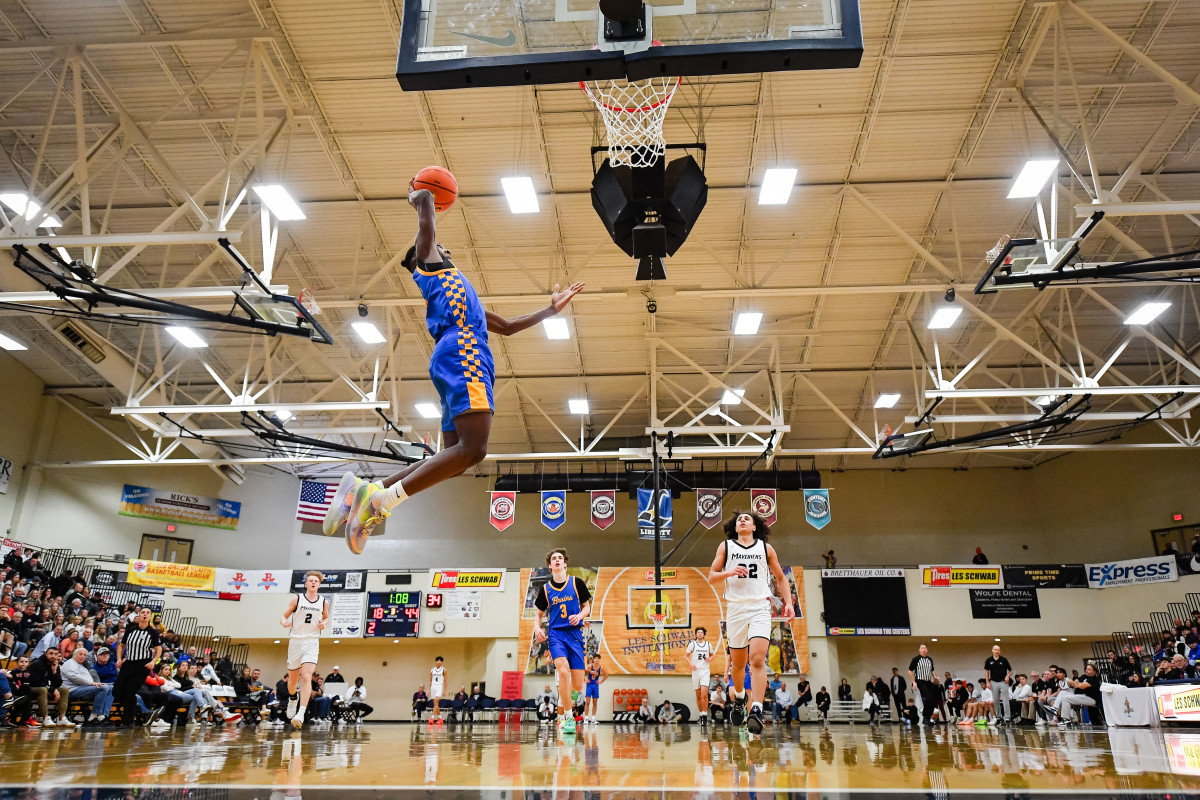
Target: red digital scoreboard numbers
point(393, 614)
point(433, 600)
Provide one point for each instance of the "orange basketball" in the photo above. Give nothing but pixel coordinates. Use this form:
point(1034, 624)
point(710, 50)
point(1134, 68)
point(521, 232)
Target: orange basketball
point(441, 182)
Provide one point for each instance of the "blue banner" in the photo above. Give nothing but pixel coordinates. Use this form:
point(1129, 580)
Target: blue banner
point(646, 513)
point(816, 507)
point(554, 508)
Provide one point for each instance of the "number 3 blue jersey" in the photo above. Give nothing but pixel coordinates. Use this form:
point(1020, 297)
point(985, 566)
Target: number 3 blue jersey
point(563, 603)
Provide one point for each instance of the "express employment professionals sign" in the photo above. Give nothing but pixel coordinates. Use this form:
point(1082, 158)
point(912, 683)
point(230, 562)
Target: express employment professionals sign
point(1159, 569)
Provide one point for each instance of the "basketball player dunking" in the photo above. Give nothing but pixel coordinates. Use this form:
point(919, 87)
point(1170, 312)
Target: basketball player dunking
point(745, 562)
point(461, 369)
point(700, 653)
point(567, 602)
point(306, 615)
point(437, 688)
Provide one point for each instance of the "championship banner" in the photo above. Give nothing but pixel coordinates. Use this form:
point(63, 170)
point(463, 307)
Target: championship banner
point(190, 509)
point(604, 507)
point(646, 513)
point(346, 614)
point(1158, 569)
point(620, 593)
point(1019, 603)
point(816, 507)
point(708, 507)
point(763, 503)
point(554, 508)
point(169, 575)
point(334, 580)
point(502, 509)
point(961, 577)
point(1045, 576)
point(478, 580)
point(253, 581)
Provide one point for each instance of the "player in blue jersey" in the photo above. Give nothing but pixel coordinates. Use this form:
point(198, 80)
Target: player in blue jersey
point(461, 369)
point(591, 696)
point(566, 602)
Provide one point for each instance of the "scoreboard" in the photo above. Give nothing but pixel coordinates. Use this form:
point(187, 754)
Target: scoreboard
point(393, 614)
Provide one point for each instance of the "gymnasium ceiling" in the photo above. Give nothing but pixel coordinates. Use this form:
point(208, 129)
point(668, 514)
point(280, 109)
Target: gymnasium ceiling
point(903, 169)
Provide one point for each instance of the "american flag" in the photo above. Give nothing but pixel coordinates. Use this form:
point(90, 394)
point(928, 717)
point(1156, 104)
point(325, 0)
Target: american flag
point(315, 498)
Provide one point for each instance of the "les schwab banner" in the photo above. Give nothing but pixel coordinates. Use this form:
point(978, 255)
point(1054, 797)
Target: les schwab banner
point(961, 576)
point(478, 580)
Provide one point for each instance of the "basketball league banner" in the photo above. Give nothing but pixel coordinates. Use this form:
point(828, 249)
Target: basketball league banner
point(604, 507)
point(646, 513)
point(554, 508)
point(169, 575)
point(190, 509)
point(816, 507)
point(763, 503)
point(253, 581)
point(502, 510)
point(708, 507)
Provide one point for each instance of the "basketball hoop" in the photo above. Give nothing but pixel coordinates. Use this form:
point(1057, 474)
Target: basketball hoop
point(633, 113)
point(995, 252)
point(660, 628)
point(306, 299)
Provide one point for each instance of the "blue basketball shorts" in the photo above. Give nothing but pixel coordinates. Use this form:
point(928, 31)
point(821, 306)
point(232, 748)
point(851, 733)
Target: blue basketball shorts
point(567, 642)
point(463, 373)
point(592, 691)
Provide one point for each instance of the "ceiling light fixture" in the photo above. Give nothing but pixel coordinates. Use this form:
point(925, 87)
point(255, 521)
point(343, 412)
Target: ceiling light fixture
point(281, 204)
point(776, 186)
point(556, 328)
point(944, 317)
point(27, 207)
point(428, 410)
point(522, 199)
point(887, 400)
point(747, 323)
point(733, 398)
point(186, 336)
point(283, 415)
point(1146, 313)
point(578, 405)
point(9, 343)
point(1033, 177)
point(368, 332)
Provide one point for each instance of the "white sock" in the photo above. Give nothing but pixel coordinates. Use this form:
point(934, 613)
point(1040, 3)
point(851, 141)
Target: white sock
point(300, 713)
point(393, 496)
point(739, 695)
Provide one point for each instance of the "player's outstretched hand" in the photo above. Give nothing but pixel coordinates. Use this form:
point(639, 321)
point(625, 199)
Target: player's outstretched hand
point(539, 634)
point(560, 297)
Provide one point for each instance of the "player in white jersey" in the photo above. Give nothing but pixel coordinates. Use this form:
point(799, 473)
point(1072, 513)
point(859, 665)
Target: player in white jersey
point(699, 653)
point(437, 687)
point(306, 615)
point(745, 562)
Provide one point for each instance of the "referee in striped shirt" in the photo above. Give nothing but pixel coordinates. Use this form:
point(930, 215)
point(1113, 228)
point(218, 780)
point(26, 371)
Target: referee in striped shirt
point(920, 672)
point(137, 654)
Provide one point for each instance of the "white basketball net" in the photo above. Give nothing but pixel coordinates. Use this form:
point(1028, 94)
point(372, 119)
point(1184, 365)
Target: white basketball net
point(633, 113)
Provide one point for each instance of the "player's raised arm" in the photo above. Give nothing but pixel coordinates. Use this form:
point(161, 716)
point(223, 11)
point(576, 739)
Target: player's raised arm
point(422, 201)
point(558, 301)
point(781, 583)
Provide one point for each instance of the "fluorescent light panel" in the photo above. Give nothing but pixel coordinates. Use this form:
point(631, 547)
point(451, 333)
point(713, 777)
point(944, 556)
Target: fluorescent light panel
point(8, 343)
point(1146, 313)
point(776, 186)
point(284, 415)
point(944, 317)
point(578, 405)
point(1033, 177)
point(428, 410)
point(368, 332)
point(27, 207)
point(733, 398)
point(887, 400)
point(747, 323)
point(1045, 400)
point(522, 199)
point(556, 328)
point(276, 198)
point(186, 336)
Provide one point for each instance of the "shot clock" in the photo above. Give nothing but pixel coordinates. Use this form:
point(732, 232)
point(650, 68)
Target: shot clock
point(393, 614)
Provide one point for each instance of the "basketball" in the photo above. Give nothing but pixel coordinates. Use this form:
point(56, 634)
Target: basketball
point(441, 182)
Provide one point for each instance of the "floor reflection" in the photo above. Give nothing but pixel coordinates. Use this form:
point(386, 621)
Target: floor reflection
point(509, 762)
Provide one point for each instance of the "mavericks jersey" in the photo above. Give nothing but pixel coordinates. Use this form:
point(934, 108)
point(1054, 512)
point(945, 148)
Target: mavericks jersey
point(437, 676)
point(698, 653)
point(756, 585)
point(306, 621)
point(450, 301)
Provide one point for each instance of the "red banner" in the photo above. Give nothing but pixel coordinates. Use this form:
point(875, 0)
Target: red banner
point(512, 683)
point(604, 507)
point(708, 507)
point(763, 503)
point(503, 509)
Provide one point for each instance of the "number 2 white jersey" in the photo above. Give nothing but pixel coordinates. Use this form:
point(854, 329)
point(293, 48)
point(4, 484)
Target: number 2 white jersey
point(756, 585)
point(306, 621)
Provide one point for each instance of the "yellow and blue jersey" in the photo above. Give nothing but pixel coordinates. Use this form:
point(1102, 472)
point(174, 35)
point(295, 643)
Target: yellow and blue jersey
point(560, 603)
point(461, 364)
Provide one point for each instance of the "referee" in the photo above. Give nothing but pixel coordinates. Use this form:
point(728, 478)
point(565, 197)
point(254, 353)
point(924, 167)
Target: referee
point(920, 672)
point(137, 654)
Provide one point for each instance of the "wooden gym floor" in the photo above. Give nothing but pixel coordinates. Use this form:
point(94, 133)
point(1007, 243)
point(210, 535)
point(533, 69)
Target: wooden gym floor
point(512, 761)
